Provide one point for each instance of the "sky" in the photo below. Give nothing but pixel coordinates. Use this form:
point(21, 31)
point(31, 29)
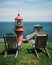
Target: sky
point(30, 10)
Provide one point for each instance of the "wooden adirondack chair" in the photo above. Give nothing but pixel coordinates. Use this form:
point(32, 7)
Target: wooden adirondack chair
point(40, 42)
point(10, 43)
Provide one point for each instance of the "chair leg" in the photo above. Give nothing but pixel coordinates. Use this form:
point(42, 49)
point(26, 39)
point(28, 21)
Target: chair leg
point(19, 48)
point(36, 53)
point(47, 52)
point(16, 54)
point(5, 54)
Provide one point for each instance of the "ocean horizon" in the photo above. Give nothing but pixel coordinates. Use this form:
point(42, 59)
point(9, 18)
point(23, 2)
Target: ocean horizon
point(7, 27)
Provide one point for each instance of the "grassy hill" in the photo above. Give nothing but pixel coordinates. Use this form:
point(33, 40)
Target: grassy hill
point(26, 56)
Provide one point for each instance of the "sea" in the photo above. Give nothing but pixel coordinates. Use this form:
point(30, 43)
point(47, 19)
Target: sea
point(8, 27)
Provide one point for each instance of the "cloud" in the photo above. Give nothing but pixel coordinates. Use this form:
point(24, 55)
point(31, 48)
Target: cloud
point(26, 14)
point(29, 9)
point(10, 4)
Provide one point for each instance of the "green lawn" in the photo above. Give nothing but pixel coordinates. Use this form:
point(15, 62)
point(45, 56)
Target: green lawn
point(26, 58)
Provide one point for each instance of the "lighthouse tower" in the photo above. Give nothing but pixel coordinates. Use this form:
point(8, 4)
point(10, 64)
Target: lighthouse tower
point(19, 28)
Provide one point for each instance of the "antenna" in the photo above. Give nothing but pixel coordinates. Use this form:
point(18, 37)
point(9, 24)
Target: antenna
point(18, 12)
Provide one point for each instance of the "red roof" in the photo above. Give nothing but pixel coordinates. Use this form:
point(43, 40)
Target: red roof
point(18, 17)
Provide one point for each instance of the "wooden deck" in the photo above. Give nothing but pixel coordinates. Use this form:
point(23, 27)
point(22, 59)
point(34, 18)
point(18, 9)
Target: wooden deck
point(1, 40)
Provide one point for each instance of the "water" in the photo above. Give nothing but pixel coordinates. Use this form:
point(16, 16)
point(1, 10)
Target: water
point(6, 27)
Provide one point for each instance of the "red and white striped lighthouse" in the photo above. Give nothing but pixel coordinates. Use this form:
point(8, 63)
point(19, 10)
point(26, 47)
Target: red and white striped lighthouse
point(19, 28)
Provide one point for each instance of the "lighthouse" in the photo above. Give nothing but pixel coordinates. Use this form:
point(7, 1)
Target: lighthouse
point(19, 27)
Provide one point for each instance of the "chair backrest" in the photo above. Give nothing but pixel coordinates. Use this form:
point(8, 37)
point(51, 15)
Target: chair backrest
point(11, 40)
point(41, 40)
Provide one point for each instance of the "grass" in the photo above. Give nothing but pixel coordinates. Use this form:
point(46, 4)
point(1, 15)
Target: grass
point(26, 58)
